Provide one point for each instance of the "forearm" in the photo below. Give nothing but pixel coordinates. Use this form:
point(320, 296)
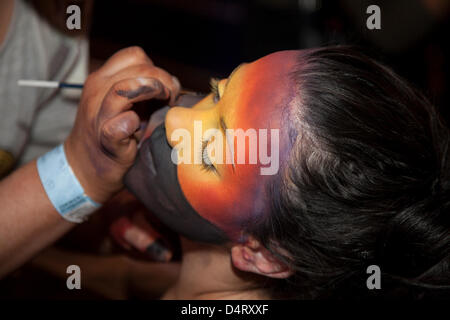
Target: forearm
point(28, 220)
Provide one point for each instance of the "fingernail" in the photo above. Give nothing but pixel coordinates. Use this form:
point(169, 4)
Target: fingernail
point(176, 81)
point(158, 251)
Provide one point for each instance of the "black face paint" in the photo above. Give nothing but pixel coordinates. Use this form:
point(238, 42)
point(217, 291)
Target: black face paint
point(153, 179)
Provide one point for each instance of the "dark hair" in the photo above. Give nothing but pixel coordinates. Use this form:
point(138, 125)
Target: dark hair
point(366, 182)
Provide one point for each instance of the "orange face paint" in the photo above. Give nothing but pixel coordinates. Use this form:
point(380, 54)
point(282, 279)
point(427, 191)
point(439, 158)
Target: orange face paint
point(254, 97)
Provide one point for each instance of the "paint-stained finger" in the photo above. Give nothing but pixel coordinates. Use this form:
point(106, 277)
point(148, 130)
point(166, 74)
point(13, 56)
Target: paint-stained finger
point(169, 82)
point(116, 136)
point(124, 93)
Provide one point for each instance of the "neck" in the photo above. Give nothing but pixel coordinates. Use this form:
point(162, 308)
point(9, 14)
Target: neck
point(207, 273)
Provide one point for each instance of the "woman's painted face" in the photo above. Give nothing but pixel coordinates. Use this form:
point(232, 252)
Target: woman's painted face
point(227, 186)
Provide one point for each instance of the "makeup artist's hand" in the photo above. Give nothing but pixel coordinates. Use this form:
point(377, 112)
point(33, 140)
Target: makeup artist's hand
point(102, 144)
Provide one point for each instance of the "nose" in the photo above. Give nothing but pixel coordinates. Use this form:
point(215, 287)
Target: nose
point(176, 118)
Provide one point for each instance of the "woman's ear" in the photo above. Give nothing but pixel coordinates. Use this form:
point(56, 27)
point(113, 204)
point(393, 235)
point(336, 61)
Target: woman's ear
point(251, 256)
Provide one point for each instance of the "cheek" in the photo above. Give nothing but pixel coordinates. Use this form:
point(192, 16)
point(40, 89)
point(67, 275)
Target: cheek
point(226, 203)
point(209, 197)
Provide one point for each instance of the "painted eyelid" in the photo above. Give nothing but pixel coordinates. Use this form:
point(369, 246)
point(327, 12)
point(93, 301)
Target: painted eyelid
point(205, 144)
point(214, 92)
point(205, 153)
point(218, 85)
point(221, 86)
point(204, 149)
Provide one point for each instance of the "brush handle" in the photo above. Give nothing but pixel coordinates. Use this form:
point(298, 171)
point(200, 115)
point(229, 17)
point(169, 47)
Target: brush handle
point(48, 84)
point(71, 85)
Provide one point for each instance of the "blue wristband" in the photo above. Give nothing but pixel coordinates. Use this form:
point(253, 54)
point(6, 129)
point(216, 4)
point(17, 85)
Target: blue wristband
point(63, 188)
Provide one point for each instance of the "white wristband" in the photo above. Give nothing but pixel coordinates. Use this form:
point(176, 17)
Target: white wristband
point(63, 188)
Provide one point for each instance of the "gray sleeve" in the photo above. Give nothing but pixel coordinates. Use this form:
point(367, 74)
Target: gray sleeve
point(51, 127)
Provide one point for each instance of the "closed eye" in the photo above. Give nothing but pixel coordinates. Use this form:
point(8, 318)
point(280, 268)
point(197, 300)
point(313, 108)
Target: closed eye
point(206, 161)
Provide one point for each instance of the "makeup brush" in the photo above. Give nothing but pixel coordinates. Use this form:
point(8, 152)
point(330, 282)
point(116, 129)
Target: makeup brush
point(57, 84)
point(48, 84)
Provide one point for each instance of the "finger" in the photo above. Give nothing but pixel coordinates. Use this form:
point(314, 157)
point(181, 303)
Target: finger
point(146, 71)
point(175, 91)
point(159, 250)
point(144, 241)
point(139, 219)
point(123, 59)
point(117, 231)
point(116, 136)
point(124, 93)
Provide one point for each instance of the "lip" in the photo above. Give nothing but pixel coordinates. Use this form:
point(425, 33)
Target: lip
point(146, 156)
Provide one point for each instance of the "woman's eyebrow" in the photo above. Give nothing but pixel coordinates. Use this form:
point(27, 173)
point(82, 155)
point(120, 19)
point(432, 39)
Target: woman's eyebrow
point(224, 128)
point(233, 72)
